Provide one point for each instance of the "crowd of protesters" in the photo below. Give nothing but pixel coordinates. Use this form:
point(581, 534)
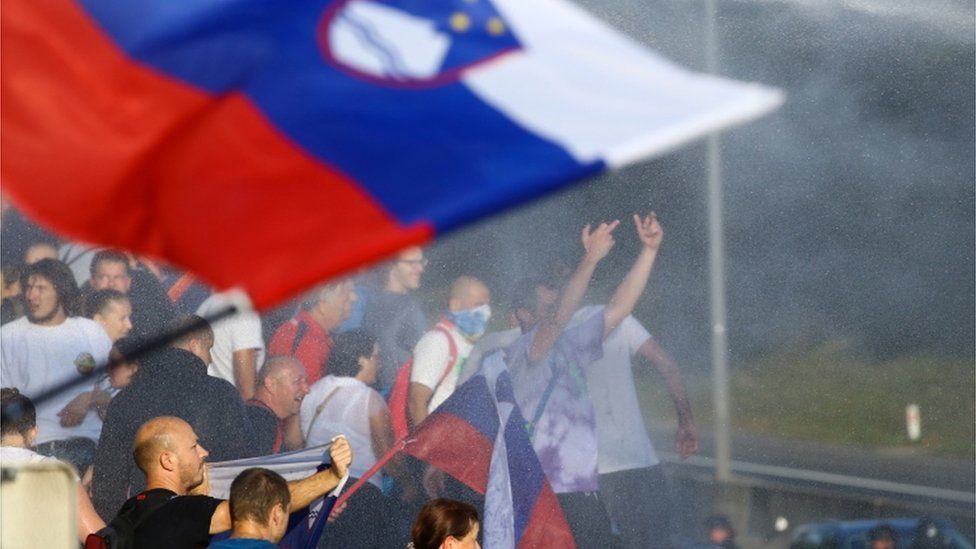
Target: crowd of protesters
point(322, 367)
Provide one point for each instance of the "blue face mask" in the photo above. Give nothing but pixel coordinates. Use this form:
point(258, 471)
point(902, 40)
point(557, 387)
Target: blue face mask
point(472, 322)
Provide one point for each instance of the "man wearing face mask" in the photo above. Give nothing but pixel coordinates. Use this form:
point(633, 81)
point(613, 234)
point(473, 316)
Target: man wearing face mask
point(441, 352)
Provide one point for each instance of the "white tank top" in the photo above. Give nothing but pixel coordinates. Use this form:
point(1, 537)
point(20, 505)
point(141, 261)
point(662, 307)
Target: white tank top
point(348, 405)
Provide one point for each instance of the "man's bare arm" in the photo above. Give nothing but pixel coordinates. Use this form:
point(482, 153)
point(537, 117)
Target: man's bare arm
point(245, 371)
point(686, 439)
point(630, 289)
point(420, 396)
point(597, 245)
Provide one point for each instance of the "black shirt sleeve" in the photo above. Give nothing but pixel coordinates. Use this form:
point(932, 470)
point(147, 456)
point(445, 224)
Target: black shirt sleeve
point(183, 522)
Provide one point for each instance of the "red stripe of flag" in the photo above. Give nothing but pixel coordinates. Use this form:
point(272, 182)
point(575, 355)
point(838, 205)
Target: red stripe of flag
point(76, 109)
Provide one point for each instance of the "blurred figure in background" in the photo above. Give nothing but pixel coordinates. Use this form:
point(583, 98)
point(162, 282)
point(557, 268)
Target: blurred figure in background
point(719, 532)
point(12, 306)
point(394, 316)
point(882, 536)
point(238, 348)
point(308, 336)
point(151, 308)
point(42, 249)
point(111, 310)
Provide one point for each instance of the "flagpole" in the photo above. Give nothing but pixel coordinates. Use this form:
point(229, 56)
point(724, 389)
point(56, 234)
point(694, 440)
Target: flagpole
point(716, 272)
point(397, 447)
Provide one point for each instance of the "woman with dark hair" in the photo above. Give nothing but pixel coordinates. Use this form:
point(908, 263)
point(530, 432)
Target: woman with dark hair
point(344, 403)
point(445, 524)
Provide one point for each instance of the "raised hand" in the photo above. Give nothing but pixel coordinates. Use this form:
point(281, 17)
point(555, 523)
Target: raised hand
point(599, 242)
point(341, 455)
point(649, 231)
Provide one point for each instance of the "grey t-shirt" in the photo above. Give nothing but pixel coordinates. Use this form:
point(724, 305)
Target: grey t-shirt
point(397, 322)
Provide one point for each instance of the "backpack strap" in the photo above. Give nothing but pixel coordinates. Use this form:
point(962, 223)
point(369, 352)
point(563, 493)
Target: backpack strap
point(299, 336)
point(541, 407)
point(452, 353)
point(318, 410)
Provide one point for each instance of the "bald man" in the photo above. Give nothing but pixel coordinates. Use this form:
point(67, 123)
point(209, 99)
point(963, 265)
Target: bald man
point(440, 353)
point(175, 512)
point(282, 385)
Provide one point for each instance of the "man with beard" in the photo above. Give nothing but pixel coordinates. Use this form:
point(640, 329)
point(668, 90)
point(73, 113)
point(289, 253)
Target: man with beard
point(282, 385)
point(48, 347)
point(181, 515)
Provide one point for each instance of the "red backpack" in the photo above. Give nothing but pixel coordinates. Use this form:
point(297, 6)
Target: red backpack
point(400, 393)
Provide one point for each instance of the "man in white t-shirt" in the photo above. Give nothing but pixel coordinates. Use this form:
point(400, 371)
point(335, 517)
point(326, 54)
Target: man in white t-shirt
point(48, 347)
point(441, 352)
point(632, 484)
point(238, 346)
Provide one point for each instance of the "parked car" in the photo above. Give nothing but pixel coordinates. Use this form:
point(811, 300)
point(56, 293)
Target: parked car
point(853, 534)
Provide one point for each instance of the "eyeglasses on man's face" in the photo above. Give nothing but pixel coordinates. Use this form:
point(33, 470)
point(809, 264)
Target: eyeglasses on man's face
point(414, 262)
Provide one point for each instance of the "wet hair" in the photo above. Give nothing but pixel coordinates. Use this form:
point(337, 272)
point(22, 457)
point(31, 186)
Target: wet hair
point(255, 492)
point(347, 348)
point(191, 327)
point(112, 256)
point(524, 292)
point(17, 413)
point(60, 276)
point(97, 302)
point(440, 519)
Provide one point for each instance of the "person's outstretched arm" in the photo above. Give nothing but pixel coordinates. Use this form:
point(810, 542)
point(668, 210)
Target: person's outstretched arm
point(630, 289)
point(686, 439)
point(597, 245)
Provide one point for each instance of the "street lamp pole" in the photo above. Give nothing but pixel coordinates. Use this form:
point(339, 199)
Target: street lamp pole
point(716, 273)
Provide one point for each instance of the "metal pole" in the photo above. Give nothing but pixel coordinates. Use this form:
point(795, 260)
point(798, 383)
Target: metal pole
point(716, 274)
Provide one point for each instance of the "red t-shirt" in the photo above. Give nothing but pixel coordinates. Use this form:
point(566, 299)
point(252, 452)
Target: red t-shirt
point(311, 348)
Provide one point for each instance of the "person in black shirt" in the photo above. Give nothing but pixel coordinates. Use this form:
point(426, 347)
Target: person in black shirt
point(170, 382)
point(174, 462)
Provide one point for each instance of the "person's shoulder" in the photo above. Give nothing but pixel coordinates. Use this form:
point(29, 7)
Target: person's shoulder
point(14, 327)
point(221, 387)
point(88, 326)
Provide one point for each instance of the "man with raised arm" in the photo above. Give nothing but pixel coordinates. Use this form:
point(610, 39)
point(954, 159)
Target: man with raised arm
point(632, 480)
point(181, 515)
point(547, 367)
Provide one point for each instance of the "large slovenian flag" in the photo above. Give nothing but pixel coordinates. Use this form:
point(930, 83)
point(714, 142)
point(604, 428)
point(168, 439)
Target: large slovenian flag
point(267, 144)
point(478, 436)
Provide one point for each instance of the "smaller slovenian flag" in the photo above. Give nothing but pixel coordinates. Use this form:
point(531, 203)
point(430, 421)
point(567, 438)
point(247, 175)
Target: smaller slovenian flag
point(305, 525)
point(478, 437)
